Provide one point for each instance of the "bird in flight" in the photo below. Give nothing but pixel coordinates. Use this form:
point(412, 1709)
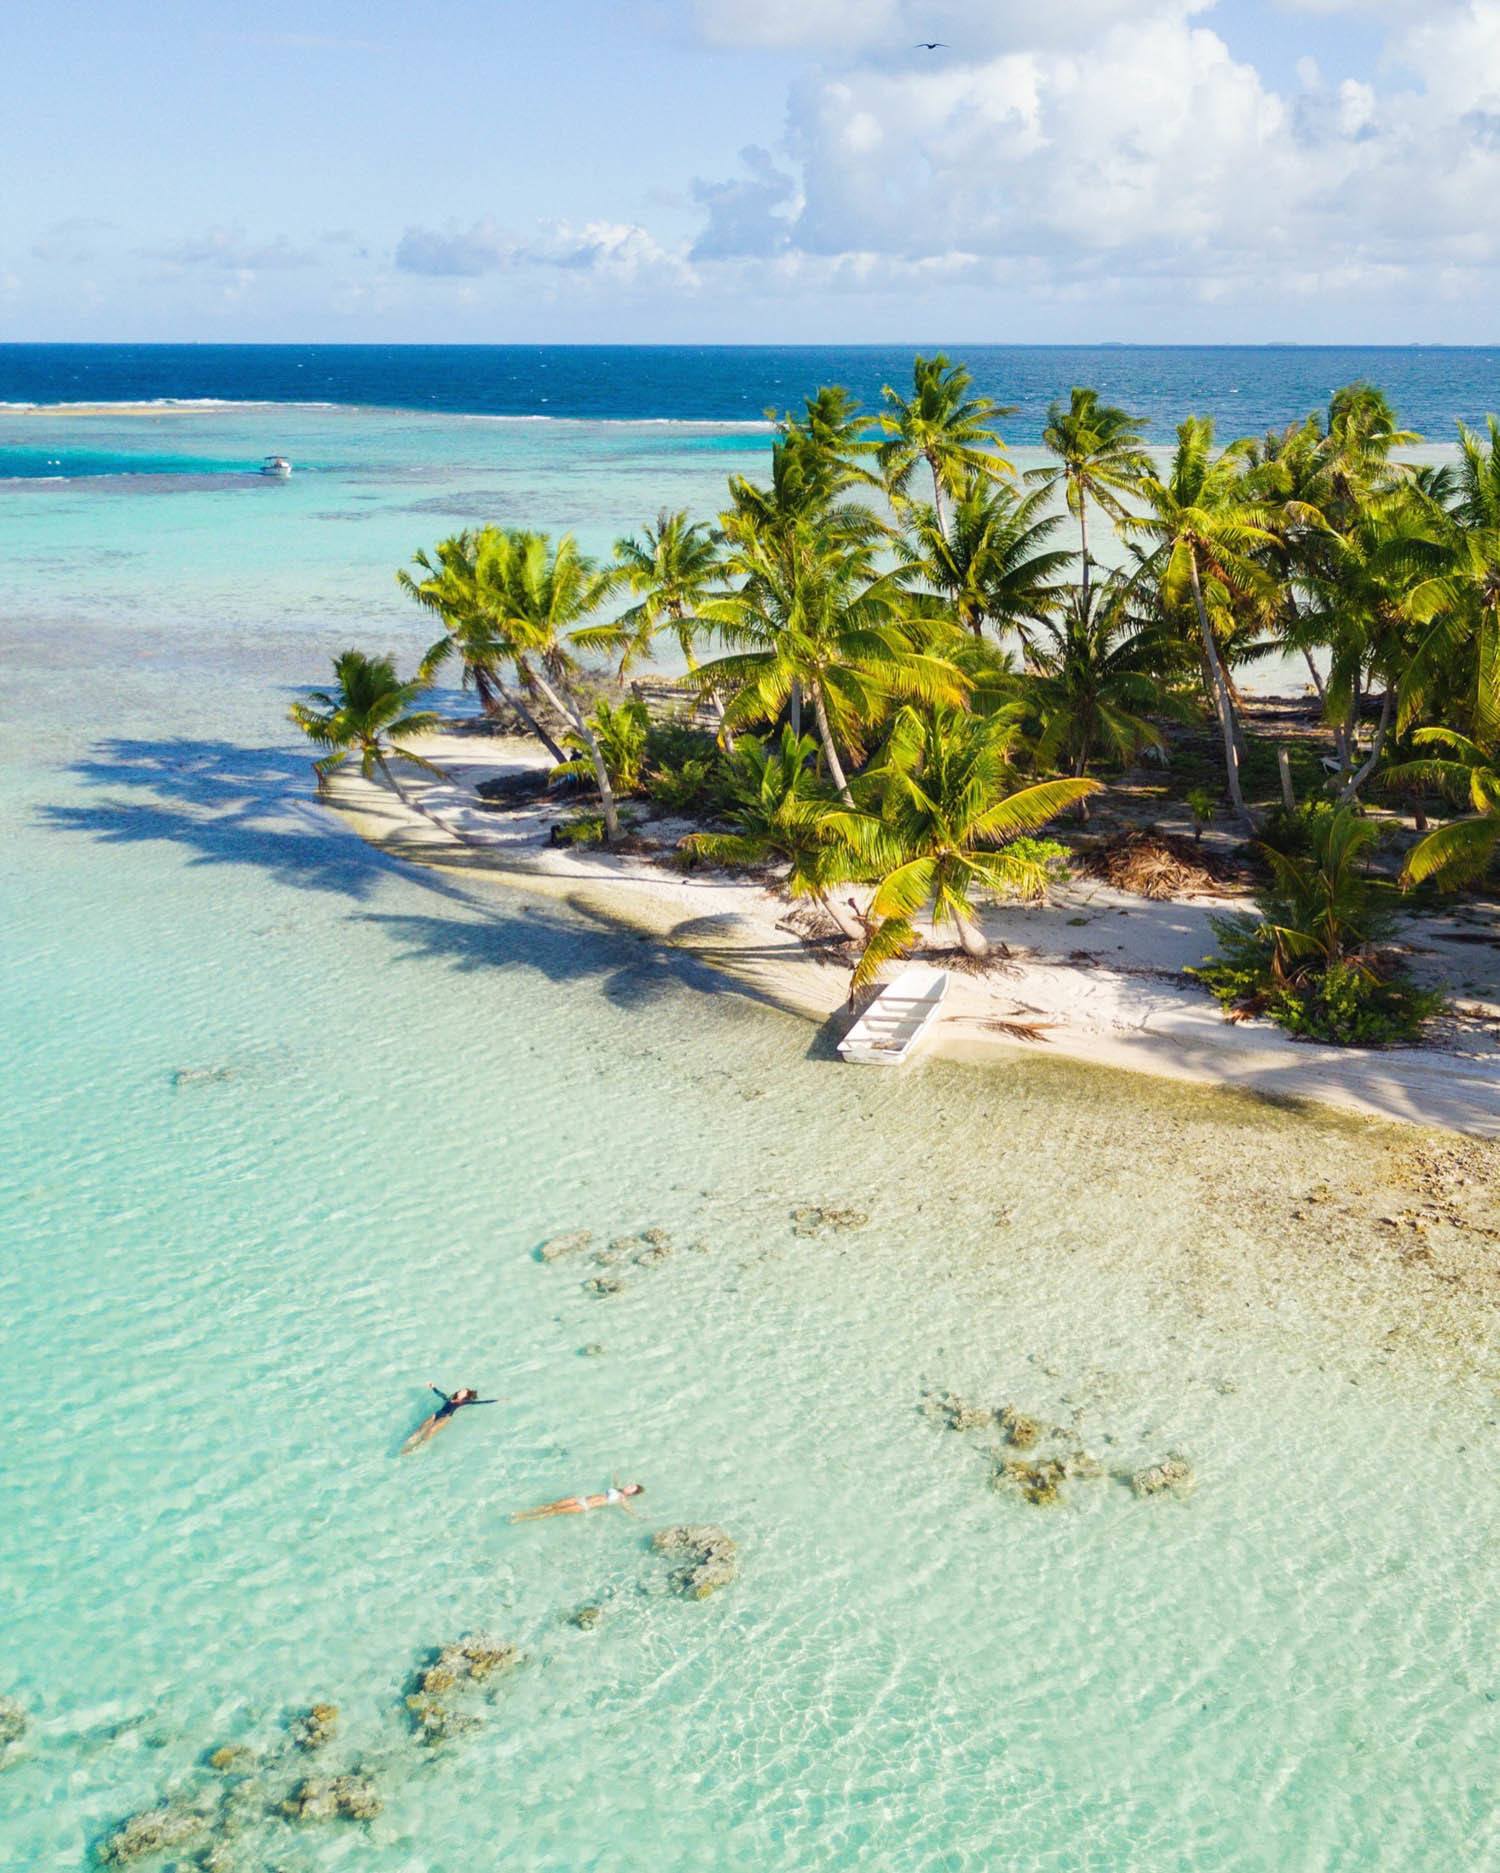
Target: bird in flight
point(931, 45)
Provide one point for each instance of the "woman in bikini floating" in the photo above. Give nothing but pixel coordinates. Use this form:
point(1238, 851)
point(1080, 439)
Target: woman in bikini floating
point(452, 1404)
point(616, 1497)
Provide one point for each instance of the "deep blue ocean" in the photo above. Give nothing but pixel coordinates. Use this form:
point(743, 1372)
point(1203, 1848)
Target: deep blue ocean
point(1246, 389)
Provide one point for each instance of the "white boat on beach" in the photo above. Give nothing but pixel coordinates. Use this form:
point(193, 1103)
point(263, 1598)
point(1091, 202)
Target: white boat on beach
point(898, 1020)
point(277, 466)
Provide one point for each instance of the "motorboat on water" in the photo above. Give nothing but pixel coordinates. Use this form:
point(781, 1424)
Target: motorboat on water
point(898, 1020)
point(277, 467)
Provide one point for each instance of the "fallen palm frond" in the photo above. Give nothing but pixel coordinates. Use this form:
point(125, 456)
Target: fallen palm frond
point(1157, 865)
point(1019, 1030)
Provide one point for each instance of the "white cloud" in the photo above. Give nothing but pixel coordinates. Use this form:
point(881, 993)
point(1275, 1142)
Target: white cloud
point(751, 214)
point(620, 253)
point(1122, 143)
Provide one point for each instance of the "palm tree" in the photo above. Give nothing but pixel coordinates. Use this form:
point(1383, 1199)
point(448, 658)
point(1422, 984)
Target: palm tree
point(1462, 851)
point(944, 814)
point(942, 425)
point(1095, 671)
point(836, 427)
point(1460, 603)
point(782, 811)
point(533, 597)
point(992, 564)
point(1100, 458)
point(1204, 528)
point(1360, 582)
point(671, 567)
point(367, 716)
point(453, 586)
point(813, 619)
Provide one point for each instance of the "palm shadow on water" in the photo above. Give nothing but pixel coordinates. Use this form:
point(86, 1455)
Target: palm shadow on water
point(225, 803)
point(229, 804)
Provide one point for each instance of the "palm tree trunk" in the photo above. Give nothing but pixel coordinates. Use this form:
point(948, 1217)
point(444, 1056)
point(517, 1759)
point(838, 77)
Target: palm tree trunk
point(1357, 780)
point(1083, 535)
point(1348, 736)
point(971, 938)
point(844, 916)
point(830, 752)
point(489, 686)
point(1312, 671)
point(1225, 708)
point(937, 497)
point(795, 708)
point(574, 716)
point(1080, 768)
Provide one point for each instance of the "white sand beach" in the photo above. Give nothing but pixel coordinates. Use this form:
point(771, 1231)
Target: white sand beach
point(1095, 972)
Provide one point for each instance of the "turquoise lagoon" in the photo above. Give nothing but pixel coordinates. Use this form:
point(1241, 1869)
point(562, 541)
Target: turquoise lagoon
point(284, 1124)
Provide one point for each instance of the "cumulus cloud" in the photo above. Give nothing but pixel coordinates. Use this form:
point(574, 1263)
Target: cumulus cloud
point(1119, 142)
point(619, 252)
point(748, 214)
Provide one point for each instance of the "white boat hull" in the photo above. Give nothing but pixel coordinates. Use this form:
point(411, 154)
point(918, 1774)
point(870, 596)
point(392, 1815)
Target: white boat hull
point(898, 1021)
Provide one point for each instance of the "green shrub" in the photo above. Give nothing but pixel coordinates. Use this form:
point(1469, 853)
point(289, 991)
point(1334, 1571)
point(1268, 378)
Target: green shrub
point(581, 829)
point(1296, 834)
point(1347, 1005)
point(685, 769)
point(695, 785)
point(1204, 807)
point(1309, 962)
point(622, 731)
point(1032, 865)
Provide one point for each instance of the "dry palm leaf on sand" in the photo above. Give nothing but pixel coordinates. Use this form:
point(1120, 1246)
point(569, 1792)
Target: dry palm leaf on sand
point(1158, 865)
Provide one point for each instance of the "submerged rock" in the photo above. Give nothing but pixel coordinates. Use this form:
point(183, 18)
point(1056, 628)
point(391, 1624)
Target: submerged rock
point(955, 1413)
point(232, 1759)
point(1174, 1475)
point(710, 1556)
point(574, 1242)
point(601, 1285)
point(819, 1219)
point(315, 1727)
point(154, 1830)
point(1082, 1467)
point(435, 1707)
point(200, 1076)
point(1020, 1431)
point(333, 1798)
point(435, 1722)
point(1040, 1483)
point(13, 1722)
point(587, 1617)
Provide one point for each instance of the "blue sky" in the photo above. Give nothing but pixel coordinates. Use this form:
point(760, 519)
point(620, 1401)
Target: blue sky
point(744, 170)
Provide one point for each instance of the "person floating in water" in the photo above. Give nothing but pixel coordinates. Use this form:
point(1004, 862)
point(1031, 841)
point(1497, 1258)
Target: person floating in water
point(616, 1497)
point(452, 1404)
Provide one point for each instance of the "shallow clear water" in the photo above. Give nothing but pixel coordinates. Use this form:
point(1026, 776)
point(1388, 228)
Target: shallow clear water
point(222, 1294)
